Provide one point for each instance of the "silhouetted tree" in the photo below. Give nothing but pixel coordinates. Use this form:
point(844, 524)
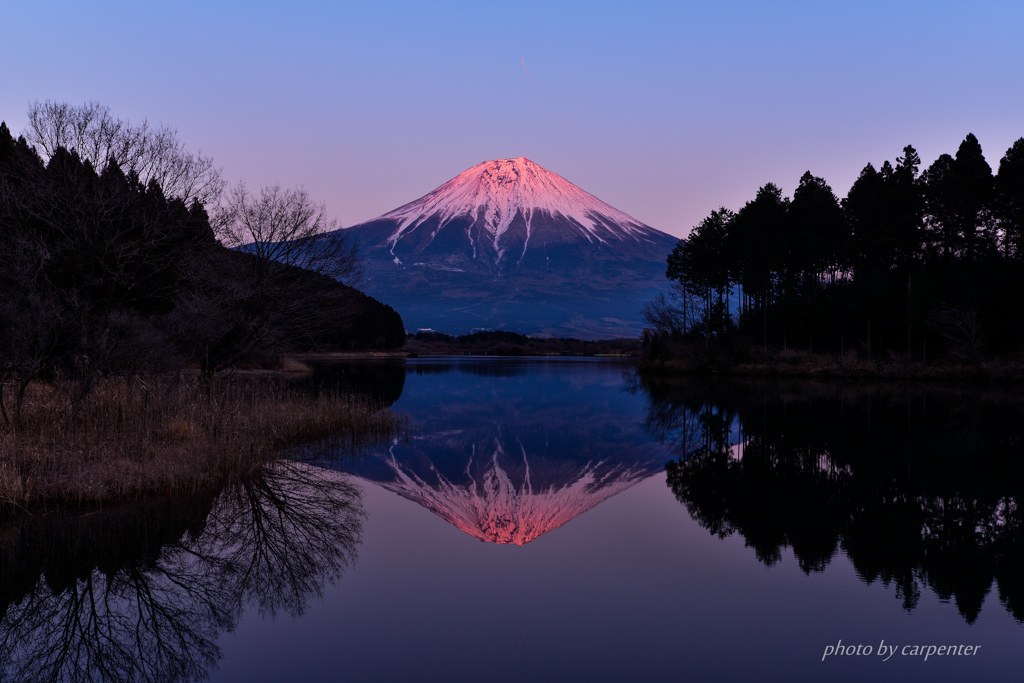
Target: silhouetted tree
point(907, 261)
point(89, 265)
point(972, 197)
point(1009, 200)
point(938, 182)
point(906, 206)
point(872, 248)
point(286, 279)
point(959, 194)
point(288, 227)
point(757, 242)
point(701, 265)
point(148, 152)
point(818, 232)
point(665, 316)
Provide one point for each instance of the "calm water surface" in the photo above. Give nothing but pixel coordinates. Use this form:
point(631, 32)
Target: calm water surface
point(561, 520)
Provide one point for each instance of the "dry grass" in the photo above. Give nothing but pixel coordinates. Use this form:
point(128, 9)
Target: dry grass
point(137, 436)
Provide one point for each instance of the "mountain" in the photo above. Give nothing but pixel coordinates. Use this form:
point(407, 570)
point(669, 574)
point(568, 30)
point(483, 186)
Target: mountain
point(508, 244)
point(508, 450)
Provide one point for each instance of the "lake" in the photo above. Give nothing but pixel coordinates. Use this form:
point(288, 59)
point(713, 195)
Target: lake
point(562, 519)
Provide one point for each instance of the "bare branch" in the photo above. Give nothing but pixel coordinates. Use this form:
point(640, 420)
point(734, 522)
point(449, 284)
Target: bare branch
point(151, 153)
point(288, 227)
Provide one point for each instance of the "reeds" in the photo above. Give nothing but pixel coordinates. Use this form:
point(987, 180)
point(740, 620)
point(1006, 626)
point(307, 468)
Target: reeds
point(134, 436)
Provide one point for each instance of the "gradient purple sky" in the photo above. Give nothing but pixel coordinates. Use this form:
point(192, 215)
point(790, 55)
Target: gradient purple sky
point(664, 110)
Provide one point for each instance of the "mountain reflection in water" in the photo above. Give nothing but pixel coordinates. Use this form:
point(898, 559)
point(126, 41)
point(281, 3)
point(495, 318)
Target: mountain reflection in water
point(142, 594)
point(513, 458)
point(920, 488)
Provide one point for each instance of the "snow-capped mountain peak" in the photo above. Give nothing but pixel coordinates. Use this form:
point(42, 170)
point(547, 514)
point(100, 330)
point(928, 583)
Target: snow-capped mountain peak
point(496, 211)
point(508, 243)
point(494, 191)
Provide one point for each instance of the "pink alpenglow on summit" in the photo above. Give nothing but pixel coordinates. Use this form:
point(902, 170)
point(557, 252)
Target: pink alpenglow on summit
point(507, 244)
point(496, 193)
point(492, 506)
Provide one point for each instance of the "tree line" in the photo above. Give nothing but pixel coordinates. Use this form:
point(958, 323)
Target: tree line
point(116, 257)
point(507, 343)
point(922, 263)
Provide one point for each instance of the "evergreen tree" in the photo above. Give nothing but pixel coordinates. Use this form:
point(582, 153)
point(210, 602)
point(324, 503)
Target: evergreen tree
point(1009, 200)
point(701, 264)
point(906, 206)
point(972, 196)
point(906, 203)
point(864, 205)
point(818, 230)
point(758, 238)
point(6, 144)
point(940, 213)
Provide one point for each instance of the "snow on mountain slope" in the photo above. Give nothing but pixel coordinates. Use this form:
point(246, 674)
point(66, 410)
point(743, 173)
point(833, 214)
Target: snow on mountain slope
point(493, 192)
point(498, 208)
point(508, 244)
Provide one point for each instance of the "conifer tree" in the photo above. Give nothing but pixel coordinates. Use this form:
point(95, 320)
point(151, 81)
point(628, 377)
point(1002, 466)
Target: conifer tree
point(941, 239)
point(701, 265)
point(758, 241)
point(819, 228)
point(972, 195)
point(1009, 200)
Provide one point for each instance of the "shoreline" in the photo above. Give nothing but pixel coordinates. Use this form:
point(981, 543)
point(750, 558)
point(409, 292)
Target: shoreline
point(803, 365)
point(136, 437)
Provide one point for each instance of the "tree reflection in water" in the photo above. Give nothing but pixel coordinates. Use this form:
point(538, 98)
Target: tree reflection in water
point(919, 488)
point(141, 594)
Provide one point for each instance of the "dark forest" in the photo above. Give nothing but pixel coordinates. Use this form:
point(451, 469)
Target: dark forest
point(925, 264)
point(102, 274)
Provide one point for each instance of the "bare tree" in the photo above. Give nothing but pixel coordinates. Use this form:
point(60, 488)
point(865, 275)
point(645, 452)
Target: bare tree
point(281, 287)
point(151, 152)
point(962, 329)
point(663, 316)
point(288, 227)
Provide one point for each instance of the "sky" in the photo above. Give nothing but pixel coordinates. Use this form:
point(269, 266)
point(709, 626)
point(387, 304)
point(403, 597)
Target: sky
point(663, 110)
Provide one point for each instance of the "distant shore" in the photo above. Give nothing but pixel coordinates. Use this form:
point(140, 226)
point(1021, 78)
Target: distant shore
point(698, 361)
point(502, 343)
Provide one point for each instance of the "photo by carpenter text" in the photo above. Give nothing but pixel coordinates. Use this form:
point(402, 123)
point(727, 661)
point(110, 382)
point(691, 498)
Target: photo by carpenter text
point(887, 651)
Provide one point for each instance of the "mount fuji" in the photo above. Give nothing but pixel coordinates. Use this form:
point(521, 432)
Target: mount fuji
point(510, 245)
